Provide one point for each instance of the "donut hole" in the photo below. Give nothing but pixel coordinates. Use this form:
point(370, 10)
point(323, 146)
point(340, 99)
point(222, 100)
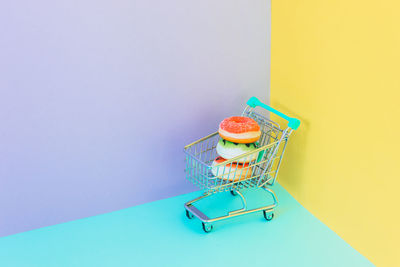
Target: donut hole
point(238, 119)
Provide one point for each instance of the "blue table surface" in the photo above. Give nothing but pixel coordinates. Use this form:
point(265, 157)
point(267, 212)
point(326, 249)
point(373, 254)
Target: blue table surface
point(159, 234)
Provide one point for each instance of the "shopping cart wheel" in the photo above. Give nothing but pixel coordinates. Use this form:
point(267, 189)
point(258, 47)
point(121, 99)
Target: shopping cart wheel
point(189, 215)
point(233, 193)
point(268, 215)
point(207, 227)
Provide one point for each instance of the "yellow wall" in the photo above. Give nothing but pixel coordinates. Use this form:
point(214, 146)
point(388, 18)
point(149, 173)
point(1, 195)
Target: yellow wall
point(336, 65)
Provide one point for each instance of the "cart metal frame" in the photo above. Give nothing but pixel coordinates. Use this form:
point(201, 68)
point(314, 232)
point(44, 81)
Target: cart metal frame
point(261, 171)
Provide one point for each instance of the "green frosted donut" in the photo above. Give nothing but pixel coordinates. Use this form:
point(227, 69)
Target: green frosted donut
point(229, 150)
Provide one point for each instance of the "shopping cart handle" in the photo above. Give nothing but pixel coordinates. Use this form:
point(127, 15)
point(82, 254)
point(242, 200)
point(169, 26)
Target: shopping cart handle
point(293, 122)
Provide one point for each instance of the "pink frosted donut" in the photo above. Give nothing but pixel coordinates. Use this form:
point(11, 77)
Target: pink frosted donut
point(239, 130)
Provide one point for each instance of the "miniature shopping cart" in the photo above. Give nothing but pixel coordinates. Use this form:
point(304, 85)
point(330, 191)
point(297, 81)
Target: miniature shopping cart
point(261, 171)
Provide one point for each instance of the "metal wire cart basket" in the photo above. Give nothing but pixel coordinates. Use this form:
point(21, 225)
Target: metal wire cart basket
point(261, 171)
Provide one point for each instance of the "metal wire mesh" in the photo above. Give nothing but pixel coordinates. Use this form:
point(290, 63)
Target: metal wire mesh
point(260, 171)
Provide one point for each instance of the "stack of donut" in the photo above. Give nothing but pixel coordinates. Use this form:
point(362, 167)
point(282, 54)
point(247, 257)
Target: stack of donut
point(238, 136)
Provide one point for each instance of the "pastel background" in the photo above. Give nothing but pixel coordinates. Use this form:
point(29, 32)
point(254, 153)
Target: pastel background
point(98, 98)
point(335, 65)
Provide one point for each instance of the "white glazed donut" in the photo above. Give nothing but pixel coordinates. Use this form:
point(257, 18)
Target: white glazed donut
point(230, 150)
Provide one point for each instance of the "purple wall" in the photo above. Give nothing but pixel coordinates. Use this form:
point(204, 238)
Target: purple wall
point(98, 98)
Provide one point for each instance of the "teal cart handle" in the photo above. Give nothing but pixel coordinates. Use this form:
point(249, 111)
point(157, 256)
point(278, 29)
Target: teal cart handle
point(292, 122)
